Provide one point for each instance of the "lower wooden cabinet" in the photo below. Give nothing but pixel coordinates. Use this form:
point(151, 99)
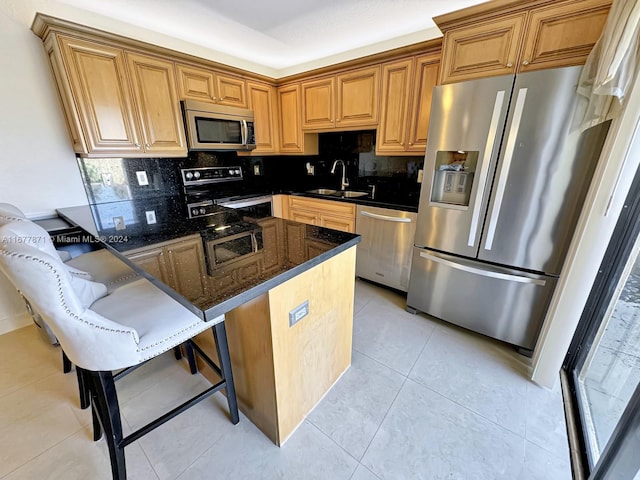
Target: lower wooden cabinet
point(178, 263)
point(322, 213)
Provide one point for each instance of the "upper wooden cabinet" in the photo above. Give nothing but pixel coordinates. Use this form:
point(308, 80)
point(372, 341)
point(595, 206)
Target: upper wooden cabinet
point(263, 101)
point(157, 105)
point(407, 87)
point(93, 82)
point(211, 86)
point(292, 139)
point(345, 101)
point(116, 103)
point(508, 36)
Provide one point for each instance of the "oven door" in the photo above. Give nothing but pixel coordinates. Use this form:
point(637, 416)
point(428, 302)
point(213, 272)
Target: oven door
point(225, 250)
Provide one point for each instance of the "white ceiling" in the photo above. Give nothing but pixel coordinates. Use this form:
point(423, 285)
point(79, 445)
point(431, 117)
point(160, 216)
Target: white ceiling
point(283, 36)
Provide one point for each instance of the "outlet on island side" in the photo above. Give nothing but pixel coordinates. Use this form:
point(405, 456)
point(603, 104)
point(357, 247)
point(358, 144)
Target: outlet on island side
point(298, 313)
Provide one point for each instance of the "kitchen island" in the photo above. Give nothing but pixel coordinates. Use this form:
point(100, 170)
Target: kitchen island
point(286, 289)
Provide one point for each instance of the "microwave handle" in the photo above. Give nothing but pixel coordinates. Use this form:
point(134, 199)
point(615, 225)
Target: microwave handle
point(245, 131)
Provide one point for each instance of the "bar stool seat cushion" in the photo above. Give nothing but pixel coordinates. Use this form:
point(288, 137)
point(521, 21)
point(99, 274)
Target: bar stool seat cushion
point(160, 321)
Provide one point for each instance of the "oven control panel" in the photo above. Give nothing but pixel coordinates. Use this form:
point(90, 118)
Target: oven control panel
point(204, 175)
point(202, 209)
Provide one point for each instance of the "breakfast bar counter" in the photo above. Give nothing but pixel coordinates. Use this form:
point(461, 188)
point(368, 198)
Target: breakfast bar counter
point(285, 288)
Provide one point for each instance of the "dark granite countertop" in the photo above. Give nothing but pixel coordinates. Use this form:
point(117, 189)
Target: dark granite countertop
point(288, 248)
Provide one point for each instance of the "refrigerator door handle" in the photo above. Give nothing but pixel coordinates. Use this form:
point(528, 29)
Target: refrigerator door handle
point(385, 217)
point(506, 165)
point(484, 169)
point(484, 273)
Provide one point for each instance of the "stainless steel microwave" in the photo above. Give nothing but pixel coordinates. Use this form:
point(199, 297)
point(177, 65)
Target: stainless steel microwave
point(218, 127)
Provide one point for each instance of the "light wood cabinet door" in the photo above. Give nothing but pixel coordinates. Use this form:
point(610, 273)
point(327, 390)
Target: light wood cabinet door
point(196, 83)
point(562, 35)
point(318, 103)
point(358, 98)
point(396, 81)
point(263, 102)
point(290, 125)
point(425, 78)
point(231, 91)
point(157, 105)
point(101, 95)
point(304, 216)
point(155, 263)
point(338, 223)
point(482, 50)
point(74, 127)
point(322, 213)
point(210, 86)
point(188, 271)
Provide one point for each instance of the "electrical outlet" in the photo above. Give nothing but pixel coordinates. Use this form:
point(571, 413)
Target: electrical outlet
point(298, 313)
point(151, 217)
point(107, 179)
point(420, 175)
point(118, 223)
point(256, 169)
point(141, 175)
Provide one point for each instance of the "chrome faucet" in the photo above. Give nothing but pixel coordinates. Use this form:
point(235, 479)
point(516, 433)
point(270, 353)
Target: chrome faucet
point(344, 182)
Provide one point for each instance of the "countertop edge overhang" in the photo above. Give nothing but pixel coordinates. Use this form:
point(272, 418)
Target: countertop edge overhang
point(80, 216)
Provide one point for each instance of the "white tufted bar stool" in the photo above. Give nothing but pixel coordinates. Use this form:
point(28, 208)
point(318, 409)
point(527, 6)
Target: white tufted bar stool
point(102, 332)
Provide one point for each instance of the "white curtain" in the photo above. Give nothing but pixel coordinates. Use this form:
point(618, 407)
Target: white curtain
point(612, 64)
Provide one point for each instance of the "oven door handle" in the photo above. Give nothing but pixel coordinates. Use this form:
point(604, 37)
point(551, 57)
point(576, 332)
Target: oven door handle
point(249, 202)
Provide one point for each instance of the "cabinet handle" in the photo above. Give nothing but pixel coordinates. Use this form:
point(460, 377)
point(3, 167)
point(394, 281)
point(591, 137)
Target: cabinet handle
point(402, 143)
point(137, 145)
point(410, 143)
point(148, 145)
point(215, 99)
point(525, 63)
point(337, 119)
point(509, 65)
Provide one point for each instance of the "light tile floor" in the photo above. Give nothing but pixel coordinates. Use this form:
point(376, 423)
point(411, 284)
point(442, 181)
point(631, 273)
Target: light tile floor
point(422, 400)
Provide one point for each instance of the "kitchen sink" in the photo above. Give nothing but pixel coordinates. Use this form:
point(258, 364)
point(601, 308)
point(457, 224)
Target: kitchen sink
point(338, 193)
point(323, 191)
point(350, 194)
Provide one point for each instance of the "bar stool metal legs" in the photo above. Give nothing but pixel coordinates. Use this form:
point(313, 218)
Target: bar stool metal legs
point(106, 410)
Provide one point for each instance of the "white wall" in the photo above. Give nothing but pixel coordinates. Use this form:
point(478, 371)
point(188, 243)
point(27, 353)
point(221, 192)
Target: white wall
point(38, 170)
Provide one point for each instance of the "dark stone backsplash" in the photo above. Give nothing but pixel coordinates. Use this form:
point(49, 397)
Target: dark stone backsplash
point(114, 179)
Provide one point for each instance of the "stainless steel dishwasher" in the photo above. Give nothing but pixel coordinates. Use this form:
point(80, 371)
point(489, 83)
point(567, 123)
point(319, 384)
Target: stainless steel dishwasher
point(384, 253)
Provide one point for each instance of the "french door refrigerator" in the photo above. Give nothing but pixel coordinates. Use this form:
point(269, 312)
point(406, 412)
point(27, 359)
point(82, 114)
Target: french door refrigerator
point(505, 173)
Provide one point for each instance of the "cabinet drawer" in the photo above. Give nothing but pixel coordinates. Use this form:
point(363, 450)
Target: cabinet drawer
point(322, 206)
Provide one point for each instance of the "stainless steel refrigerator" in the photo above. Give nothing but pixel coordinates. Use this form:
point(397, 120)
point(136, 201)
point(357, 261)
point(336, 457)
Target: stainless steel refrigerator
point(505, 174)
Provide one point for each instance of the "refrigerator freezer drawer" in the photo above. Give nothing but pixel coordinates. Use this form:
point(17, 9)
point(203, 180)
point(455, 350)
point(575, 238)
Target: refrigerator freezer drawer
point(384, 254)
point(502, 303)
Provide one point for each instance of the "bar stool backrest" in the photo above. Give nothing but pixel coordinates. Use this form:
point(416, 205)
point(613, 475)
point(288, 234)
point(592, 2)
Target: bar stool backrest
point(90, 340)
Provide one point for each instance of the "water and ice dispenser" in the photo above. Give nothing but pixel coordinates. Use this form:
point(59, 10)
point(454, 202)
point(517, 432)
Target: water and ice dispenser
point(453, 177)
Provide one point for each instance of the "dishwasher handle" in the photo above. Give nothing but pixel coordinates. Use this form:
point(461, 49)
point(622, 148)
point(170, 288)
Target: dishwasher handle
point(386, 218)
